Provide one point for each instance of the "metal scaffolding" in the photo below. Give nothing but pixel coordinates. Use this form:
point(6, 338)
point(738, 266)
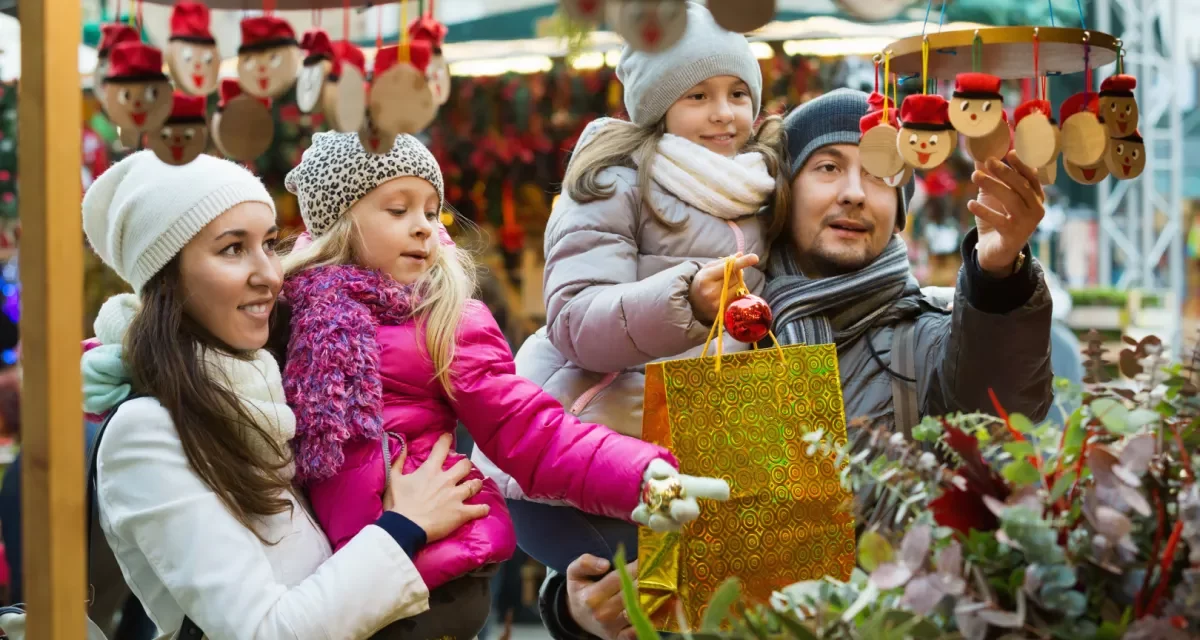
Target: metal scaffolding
point(1142, 219)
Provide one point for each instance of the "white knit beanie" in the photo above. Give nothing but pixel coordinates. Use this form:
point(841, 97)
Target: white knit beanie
point(141, 212)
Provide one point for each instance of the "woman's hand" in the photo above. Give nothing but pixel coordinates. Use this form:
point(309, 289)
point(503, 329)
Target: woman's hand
point(431, 496)
point(705, 292)
point(594, 598)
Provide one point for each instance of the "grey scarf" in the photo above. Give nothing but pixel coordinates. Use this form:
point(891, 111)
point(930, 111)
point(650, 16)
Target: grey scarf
point(840, 309)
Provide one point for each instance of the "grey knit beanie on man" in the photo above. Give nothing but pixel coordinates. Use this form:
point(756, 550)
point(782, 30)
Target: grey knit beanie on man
point(833, 119)
point(654, 81)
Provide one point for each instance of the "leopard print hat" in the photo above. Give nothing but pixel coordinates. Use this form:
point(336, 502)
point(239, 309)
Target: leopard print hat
point(336, 171)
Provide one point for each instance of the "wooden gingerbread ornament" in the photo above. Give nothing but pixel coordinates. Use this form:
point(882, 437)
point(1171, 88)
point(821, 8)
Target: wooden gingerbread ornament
point(995, 144)
point(318, 62)
point(1094, 174)
point(269, 57)
point(137, 92)
point(877, 147)
point(184, 135)
point(1126, 157)
point(926, 137)
point(976, 107)
point(192, 55)
point(1118, 109)
point(1036, 137)
point(1084, 138)
point(111, 35)
point(586, 11)
point(344, 94)
point(649, 25)
point(400, 100)
point(437, 72)
point(242, 127)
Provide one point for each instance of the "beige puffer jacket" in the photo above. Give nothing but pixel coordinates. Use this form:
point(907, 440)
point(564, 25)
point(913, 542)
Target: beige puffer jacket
point(616, 287)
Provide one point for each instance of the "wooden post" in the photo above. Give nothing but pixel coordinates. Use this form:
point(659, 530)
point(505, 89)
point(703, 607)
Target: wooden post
point(52, 442)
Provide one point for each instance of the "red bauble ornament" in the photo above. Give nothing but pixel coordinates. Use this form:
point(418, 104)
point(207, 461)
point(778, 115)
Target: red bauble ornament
point(748, 319)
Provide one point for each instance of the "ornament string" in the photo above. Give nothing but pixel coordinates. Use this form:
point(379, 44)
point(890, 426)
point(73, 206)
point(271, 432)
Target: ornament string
point(420, 8)
point(1036, 60)
point(1087, 62)
point(1082, 20)
point(1120, 58)
point(941, 16)
point(876, 61)
point(431, 8)
point(926, 22)
point(925, 65)
point(887, 72)
point(977, 53)
point(378, 27)
point(140, 23)
point(1050, 6)
point(717, 331)
point(403, 53)
point(346, 20)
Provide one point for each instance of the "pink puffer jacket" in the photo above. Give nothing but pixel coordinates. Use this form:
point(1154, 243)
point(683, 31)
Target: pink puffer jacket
point(357, 368)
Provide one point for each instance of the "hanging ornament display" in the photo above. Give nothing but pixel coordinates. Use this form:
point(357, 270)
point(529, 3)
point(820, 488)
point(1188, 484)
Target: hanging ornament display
point(437, 72)
point(926, 137)
point(1084, 138)
point(742, 16)
point(648, 25)
point(880, 128)
point(1036, 138)
point(184, 135)
point(976, 107)
point(268, 58)
point(192, 55)
point(1126, 157)
point(243, 126)
point(137, 92)
point(111, 35)
point(1118, 107)
point(344, 94)
point(318, 62)
point(993, 145)
point(588, 11)
point(373, 139)
point(400, 100)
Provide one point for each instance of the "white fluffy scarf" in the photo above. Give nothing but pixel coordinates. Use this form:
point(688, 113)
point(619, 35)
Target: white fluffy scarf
point(728, 188)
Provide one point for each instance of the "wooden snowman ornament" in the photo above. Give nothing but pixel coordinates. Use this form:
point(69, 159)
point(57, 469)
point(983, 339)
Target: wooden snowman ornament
point(242, 127)
point(877, 146)
point(1118, 109)
point(344, 94)
point(437, 72)
point(318, 62)
point(995, 144)
point(1084, 138)
point(137, 92)
point(184, 135)
point(1126, 157)
point(400, 100)
point(192, 54)
point(111, 35)
point(926, 137)
point(269, 57)
point(652, 25)
point(976, 107)
point(587, 11)
point(742, 16)
point(1036, 137)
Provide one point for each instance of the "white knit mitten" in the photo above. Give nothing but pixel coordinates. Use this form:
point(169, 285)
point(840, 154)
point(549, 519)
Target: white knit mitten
point(669, 498)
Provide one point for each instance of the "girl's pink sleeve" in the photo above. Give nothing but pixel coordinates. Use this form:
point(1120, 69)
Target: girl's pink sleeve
point(530, 436)
point(349, 500)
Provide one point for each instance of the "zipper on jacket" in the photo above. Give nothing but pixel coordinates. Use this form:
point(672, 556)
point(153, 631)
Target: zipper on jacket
point(387, 458)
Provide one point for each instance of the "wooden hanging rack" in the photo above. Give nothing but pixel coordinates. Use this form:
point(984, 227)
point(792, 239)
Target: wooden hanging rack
point(1007, 51)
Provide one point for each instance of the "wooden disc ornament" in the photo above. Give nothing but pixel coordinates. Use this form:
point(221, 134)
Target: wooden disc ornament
point(1126, 157)
point(995, 144)
point(976, 107)
point(344, 94)
point(900, 179)
point(586, 11)
point(652, 25)
point(1036, 137)
point(243, 127)
point(192, 55)
point(137, 92)
point(269, 57)
point(1094, 174)
point(1048, 174)
point(926, 137)
point(437, 72)
point(318, 62)
point(400, 100)
point(1084, 138)
point(184, 135)
point(111, 35)
point(742, 16)
point(374, 140)
point(1118, 109)
point(877, 148)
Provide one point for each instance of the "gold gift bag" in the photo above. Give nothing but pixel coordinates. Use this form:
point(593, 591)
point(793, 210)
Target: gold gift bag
point(741, 417)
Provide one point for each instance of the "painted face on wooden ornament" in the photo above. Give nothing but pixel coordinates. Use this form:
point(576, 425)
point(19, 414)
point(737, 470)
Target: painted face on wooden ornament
point(192, 54)
point(1084, 138)
point(1126, 157)
point(650, 25)
point(400, 100)
point(112, 34)
point(877, 148)
point(1118, 108)
point(318, 62)
point(995, 144)
point(1094, 174)
point(976, 106)
point(1036, 137)
point(926, 137)
point(269, 58)
point(137, 92)
point(184, 136)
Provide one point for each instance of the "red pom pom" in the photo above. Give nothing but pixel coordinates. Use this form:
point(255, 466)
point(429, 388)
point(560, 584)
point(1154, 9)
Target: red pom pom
point(1031, 107)
point(185, 108)
point(189, 21)
point(1078, 102)
point(748, 319)
point(316, 43)
point(113, 34)
point(926, 109)
point(977, 83)
point(135, 62)
point(265, 32)
point(1120, 84)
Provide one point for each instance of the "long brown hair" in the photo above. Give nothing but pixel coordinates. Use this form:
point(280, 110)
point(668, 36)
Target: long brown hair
point(619, 144)
point(164, 350)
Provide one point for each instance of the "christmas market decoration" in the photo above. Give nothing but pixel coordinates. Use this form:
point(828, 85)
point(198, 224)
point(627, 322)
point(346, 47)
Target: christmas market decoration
point(437, 73)
point(742, 16)
point(1084, 138)
point(648, 25)
point(111, 35)
point(877, 147)
point(1036, 138)
point(976, 107)
point(747, 316)
point(399, 99)
point(926, 137)
point(318, 62)
point(137, 92)
point(192, 55)
point(344, 94)
point(242, 127)
point(269, 56)
point(1118, 108)
point(185, 133)
point(1126, 157)
point(995, 144)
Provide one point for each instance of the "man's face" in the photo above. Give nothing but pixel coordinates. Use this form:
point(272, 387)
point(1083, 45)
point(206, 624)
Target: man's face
point(842, 216)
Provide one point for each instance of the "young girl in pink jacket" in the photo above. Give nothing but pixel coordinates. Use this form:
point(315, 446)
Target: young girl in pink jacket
point(387, 352)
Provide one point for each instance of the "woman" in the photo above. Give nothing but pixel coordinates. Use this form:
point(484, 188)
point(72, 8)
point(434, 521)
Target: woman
point(194, 477)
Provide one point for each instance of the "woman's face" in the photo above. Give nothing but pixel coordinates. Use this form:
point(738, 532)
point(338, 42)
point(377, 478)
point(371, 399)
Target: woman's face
point(716, 113)
point(395, 228)
point(231, 275)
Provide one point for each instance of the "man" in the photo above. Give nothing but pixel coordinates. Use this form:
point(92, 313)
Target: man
point(840, 274)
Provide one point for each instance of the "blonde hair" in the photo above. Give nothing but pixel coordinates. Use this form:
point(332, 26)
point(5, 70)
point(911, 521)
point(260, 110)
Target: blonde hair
point(441, 293)
point(619, 144)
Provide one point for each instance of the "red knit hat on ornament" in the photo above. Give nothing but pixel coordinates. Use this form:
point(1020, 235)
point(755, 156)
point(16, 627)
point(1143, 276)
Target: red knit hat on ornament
point(427, 29)
point(875, 118)
point(186, 109)
point(135, 62)
point(1031, 107)
point(1077, 103)
point(265, 32)
point(420, 53)
point(189, 23)
point(876, 100)
point(1119, 86)
point(977, 85)
point(230, 89)
point(346, 53)
point(926, 113)
point(316, 45)
point(113, 34)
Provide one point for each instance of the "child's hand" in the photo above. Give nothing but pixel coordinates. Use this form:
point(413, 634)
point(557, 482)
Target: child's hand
point(669, 497)
point(705, 292)
point(432, 497)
